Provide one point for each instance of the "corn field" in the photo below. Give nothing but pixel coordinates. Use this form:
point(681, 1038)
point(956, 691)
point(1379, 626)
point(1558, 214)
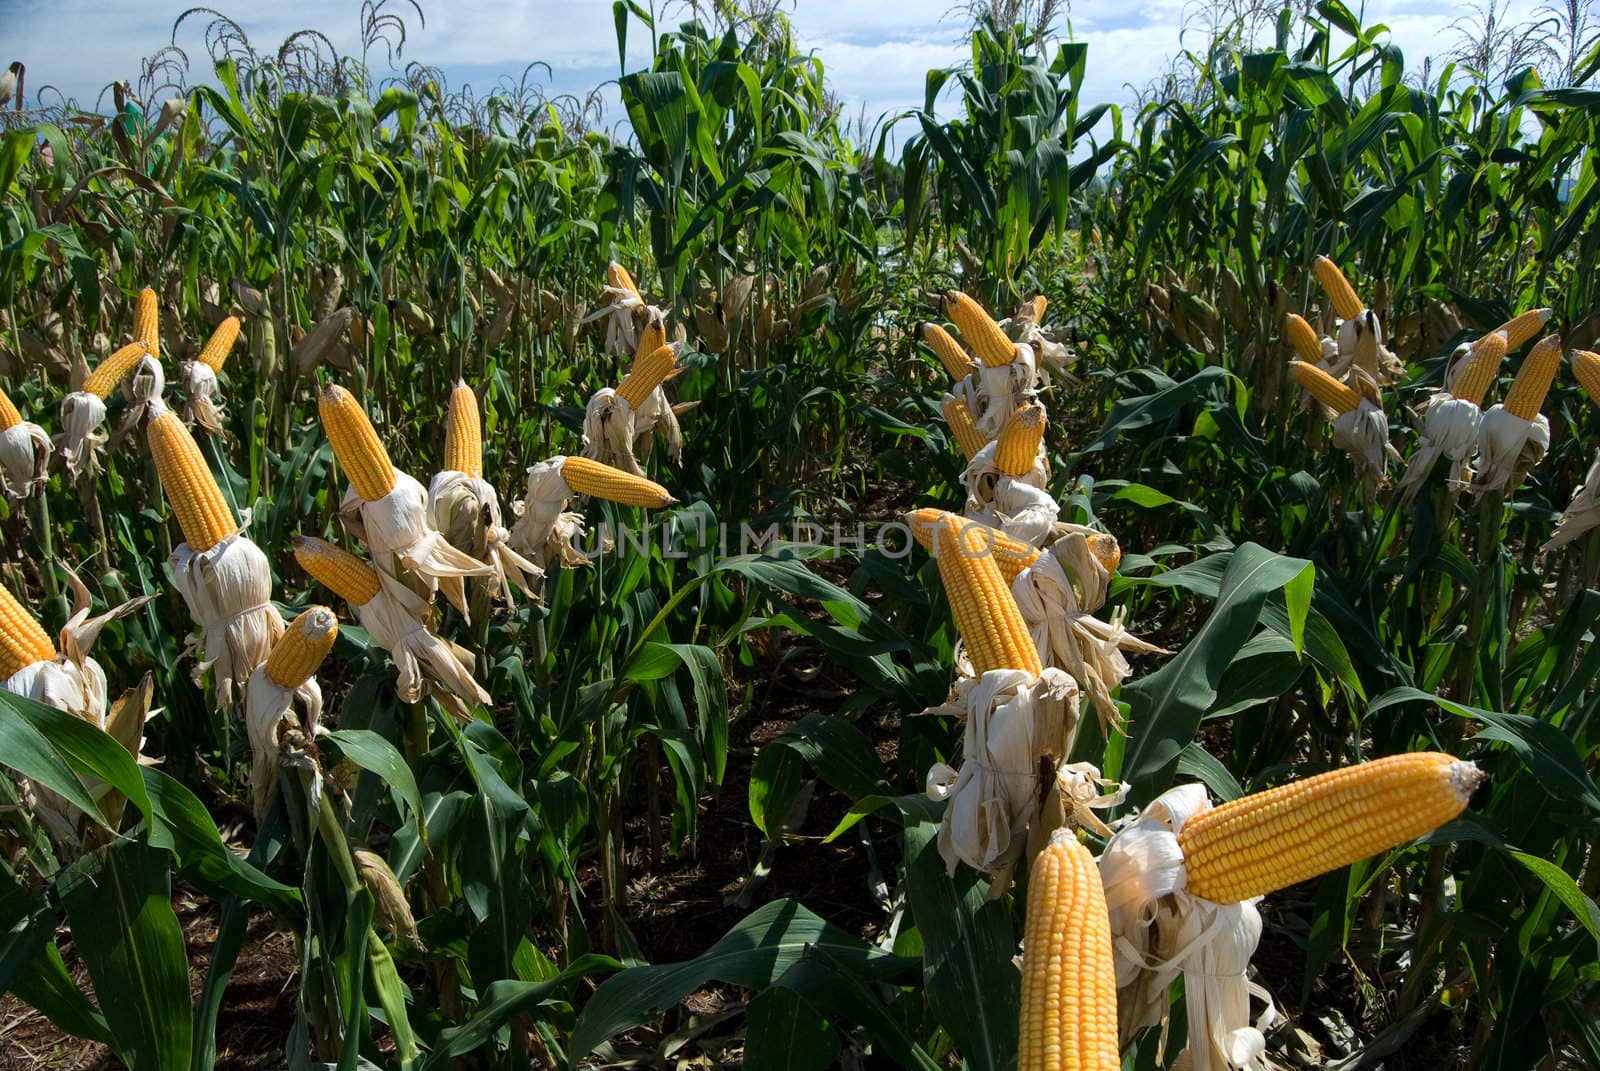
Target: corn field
point(1027, 584)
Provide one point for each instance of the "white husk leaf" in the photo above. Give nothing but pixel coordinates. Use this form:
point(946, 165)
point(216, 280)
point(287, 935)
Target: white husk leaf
point(1450, 431)
point(25, 451)
point(1508, 446)
point(82, 414)
point(994, 394)
point(228, 590)
point(1582, 513)
point(396, 533)
point(395, 619)
point(267, 709)
point(467, 511)
point(1019, 506)
point(1012, 720)
point(200, 391)
point(1159, 930)
point(1364, 432)
point(543, 530)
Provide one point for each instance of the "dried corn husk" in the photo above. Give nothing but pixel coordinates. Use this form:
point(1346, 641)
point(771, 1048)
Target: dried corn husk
point(397, 534)
point(467, 511)
point(25, 451)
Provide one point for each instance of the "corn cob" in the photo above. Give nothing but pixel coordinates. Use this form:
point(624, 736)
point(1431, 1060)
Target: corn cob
point(1039, 303)
point(1586, 368)
point(964, 429)
point(1337, 396)
point(1011, 555)
point(1340, 292)
point(463, 433)
point(648, 373)
point(1302, 337)
point(979, 329)
point(1018, 446)
point(336, 569)
point(190, 488)
point(1271, 840)
point(980, 599)
point(589, 477)
point(1483, 364)
point(9, 417)
point(114, 370)
point(652, 338)
point(302, 647)
point(948, 350)
point(1068, 1012)
point(1534, 378)
point(355, 444)
point(618, 277)
point(1519, 329)
point(220, 344)
point(22, 639)
point(147, 321)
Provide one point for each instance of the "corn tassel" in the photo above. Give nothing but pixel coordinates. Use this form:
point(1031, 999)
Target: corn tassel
point(963, 428)
point(986, 614)
point(1271, 840)
point(356, 445)
point(1483, 365)
point(1068, 1013)
point(1337, 396)
point(979, 329)
point(302, 647)
point(1538, 370)
point(336, 569)
point(190, 487)
point(1345, 303)
point(948, 350)
point(23, 641)
point(1017, 449)
point(463, 433)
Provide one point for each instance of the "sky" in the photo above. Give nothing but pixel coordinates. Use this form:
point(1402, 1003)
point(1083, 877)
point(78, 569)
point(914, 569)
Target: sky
point(876, 53)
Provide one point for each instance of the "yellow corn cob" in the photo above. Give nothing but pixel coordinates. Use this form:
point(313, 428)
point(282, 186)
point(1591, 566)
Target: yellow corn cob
point(1483, 364)
point(948, 350)
point(1068, 1014)
point(302, 647)
point(1106, 550)
point(1302, 337)
point(114, 370)
point(463, 433)
point(22, 640)
point(589, 477)
point(1271, 840)
point(355, 444)
point(1345, 303)
point(652, 338)
point(1011, 555)
point(147, 321)
point(1018, 446)
point(220, 344)
point(1533, 380)
point(9, 417)
point(1586, 368)
point(980, 599)
point(191, 490)
point(617, 276)
point(1337, 396)
point(982, 334)
point(336, 569)
point(1039, 303)
point(1519, 329)
point(648, 373)
point(963, 429)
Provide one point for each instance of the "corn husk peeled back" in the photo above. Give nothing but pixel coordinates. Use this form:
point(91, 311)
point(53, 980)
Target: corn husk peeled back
point(273, 704)
point(619, 424)
point(25, 450)
point(544, 530)
point(199, 377)
point(1514, 436)
point(1451, 418)
point(1582, 514)
point(83, 410)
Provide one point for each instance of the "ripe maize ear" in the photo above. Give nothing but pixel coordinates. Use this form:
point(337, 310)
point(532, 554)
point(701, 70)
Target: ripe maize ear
point(980, 599)
point(147, 321)
point(463, 433)
point(648, 373)
point(1519, 329)
point(963, 428)
point(1011, 555)
point(1339, 397)
point(302, 647)
point(186, 479)
point(1018, 446)
point(1483, 365)
point(113, 370)
point(22, 639)
point(1271, 840)
point(1039, 303)
point(1303, 337)
point(589, 477)
point(979, 329)
point(1533, 380)
point(336, 569)
point(1345, 303)
point(9, 417)
point(1068, 1015)
point(948, 350)
point(355, 443)
point(1586, 368)
point(652, 338)
point(220, 344)
point(617, 276)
